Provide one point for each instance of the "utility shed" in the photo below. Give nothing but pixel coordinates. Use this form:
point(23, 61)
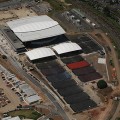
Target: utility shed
point(101, 60)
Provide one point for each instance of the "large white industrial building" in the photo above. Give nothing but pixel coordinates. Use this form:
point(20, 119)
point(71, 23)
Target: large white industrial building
point(45, 52)
point(35, 28)
point(38, 31)
point(34, 32)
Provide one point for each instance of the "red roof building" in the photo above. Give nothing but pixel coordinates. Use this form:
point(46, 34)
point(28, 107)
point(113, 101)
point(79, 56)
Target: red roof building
point(77, 65)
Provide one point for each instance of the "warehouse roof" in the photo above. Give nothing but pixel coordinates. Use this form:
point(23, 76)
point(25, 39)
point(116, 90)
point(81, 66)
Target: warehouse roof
point(40, 53)
point(14, 40)
point(29, 91)
point(32, 98)
point(35, 28)
point(66, 47)
point(31, 27)
point(24, 86)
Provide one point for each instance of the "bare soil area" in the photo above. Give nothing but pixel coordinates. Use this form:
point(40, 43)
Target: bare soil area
point(14, 99)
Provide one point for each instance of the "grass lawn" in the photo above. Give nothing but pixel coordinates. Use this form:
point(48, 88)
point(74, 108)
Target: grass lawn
point(30, 114)
point(56, 4)
point(3, 0)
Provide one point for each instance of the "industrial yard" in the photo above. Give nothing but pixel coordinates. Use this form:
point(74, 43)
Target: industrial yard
point(56, 61)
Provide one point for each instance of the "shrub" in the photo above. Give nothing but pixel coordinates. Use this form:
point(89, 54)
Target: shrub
point(102, 84)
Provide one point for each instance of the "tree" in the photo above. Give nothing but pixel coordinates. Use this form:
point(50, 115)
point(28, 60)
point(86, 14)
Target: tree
point(4, 56)
point(101, 84)
point(117, 118)
point(106, 11)
point(112, 2)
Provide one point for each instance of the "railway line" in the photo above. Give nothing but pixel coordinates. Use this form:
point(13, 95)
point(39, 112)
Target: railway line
point(105, 24)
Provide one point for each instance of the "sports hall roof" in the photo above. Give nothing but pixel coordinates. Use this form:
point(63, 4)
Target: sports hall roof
point(39, 53)
point(66, 47)
point(35, 28)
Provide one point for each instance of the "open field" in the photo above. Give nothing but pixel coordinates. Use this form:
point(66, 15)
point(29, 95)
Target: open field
point(15, 14)
point(5, 15)
point(31, 114)
point(57, 5)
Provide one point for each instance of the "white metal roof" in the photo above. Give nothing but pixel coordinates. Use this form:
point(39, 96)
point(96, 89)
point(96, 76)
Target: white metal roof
point(23, 86)
point(101, 60)
point(35, 28)
point(32, 98)
point(66, 47)
point(29, 91)
point(39, 53)
point(11, 118)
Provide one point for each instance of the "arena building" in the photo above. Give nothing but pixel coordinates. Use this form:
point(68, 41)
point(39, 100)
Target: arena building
point(36, 31)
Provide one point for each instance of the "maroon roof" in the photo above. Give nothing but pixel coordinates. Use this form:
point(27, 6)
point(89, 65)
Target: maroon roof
point(77, 65)
point(90, 77)
point(84, 70)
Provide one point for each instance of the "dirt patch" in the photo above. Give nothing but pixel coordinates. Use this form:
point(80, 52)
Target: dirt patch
point(57, 118)
point(13, 98)
point(106, 92)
